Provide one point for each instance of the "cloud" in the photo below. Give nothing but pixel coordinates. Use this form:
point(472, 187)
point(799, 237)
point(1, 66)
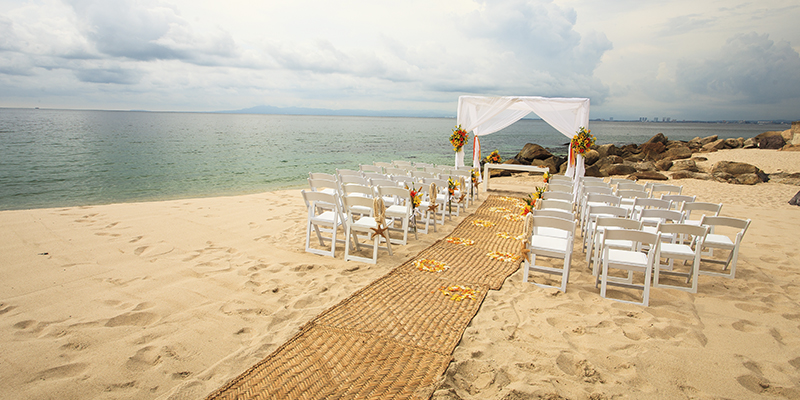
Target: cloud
point(115, 75)
point(748, 68)
point(683, 24)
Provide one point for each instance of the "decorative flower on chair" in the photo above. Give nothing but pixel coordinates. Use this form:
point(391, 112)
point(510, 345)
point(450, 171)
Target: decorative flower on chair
point(582, 141)
point(530, 201)
point(546, 177)
point(459, 138)
point(415, 195)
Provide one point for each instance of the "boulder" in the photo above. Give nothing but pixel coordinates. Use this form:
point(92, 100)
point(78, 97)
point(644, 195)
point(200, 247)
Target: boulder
point(663, 165)
point(790, 147)
point(706, 140)
point(786, 178)
point(592, 170)
point(591, 157)
point(649, 175)
point(691, 175)
point(628, 149)
point(750, 143)
point(609, 160)
point(733, 168)
point(653, 150)
point(738, 173)
point(551, 163)
point(770, 140)
point(607, 150)
point(685, 165)
point(658, 138)
point(532, 152)
point(718, 144)
point(645, 166)
point(787, 135)
point(795, 201)
point(618, 169)
point(676, 153)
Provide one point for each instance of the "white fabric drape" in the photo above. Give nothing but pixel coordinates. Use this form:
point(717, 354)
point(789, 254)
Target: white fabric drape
point(484, 115)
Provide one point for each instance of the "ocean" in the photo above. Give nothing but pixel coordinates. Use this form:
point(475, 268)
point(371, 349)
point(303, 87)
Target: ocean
point(58, 158)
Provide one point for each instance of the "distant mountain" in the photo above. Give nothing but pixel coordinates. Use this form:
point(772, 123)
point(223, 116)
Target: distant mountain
point(325, 111)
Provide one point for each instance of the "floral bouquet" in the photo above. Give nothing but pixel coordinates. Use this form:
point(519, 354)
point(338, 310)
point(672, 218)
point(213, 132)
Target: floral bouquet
point(581, 142)
point(474, 175)
point(452, 185)
point(416, 197)
point(493, 158)
point(530, 201)
point(546, 177)
point(459, 138)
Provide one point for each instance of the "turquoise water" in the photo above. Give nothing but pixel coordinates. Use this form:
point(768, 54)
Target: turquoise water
point(54, 158)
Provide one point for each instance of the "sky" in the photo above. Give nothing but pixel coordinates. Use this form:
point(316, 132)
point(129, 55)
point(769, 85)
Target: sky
point(682, 59)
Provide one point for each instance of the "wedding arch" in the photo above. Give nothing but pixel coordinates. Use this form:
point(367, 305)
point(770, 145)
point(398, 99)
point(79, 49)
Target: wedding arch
point(485, 115)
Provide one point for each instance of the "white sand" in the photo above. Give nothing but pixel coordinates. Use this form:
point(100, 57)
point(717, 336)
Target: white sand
point(172, 299)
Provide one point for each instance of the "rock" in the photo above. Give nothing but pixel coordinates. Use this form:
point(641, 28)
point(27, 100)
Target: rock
point(663, 165)
point(791, 147)
point(591, 157)
point(750, 143)
point(708, 139)
point(652, 151)
point(551, 163)
point(609, 160)
point(562, 169)
point(733, 143)
point(718, 144)
point(628, 150)
point(650, 175)
point(733, 168)
point(785, 178)
point(795, 201)
point(770, 140)
point(645, 166)
point(787, 135)
point(607, 150)
point(748, 179)
point(685, 165)
point(532, 152)
point(592, 170)
point(618, 169)
point(658, 138)
point(691, 175)
point(676, 153)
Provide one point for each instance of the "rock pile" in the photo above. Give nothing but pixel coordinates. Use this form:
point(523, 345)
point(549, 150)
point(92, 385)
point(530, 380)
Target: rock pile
point(660, 158)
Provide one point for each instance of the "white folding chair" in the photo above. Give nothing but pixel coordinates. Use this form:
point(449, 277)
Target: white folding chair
point(399, 211)
point(719, 237)
point(553, 213)
point(596, 199)
point(370, 225)
point(561, 179)
point(322, 175)
point(553, 204)
point(323, 185)
point(596, 244)
point(555, 187)
point(353, 189)
point(551, 247)
point(596, 211)
point(324, 216)
point(686, 245)
point(641, 203)
point(560, 196)
point(698, 210)
point(430, 208)
point(394, 171)
point(370, 168)
point(631, 260)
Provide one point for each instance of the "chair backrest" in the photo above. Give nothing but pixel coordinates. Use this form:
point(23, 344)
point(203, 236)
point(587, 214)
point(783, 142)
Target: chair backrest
point(557, 196)
point(671, 216)
point(382, 182)
point(664, 188)
point(350, 189)
point(679, 232)
point(343, 172)
point(552, 204)
point(318, 202)
point(555, 187)
point(422, 165)
point(608, 210)
point(597, 189)
point(383, 164)
point(735, 223)
point(396, 192)
point(609, 199)
point(370, 168)
point(561, 179)
point(402, 164)
point(641, 203)
point(555, 213)
point(555, 223)
point(460, 172)
point(375, 175)
point(351, 201)
point(350, 179)
point(678, 200)
point(436, 170)
point(636, 237)
point(321, 175)
point(632, 193)
point(395, 171)
point(618, 222)
point(592, 179)
point(626, 184)
point(421, 174)
point(317, 185)
point(711, 209)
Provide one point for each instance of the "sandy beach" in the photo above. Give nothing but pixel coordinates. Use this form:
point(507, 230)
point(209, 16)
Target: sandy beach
point(172, 299)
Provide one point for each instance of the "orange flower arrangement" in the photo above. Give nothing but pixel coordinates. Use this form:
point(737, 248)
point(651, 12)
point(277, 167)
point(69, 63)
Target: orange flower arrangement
point(458, 138)
point(582, 141)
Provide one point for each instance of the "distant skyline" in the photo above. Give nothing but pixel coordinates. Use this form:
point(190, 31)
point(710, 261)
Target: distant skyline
point(711, 60)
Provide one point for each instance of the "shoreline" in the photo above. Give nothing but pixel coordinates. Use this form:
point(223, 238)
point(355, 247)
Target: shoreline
point(173, 298)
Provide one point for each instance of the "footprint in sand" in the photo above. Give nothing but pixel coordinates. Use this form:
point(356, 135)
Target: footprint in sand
point(4, 308)
point(63, 371)
point(133, 319)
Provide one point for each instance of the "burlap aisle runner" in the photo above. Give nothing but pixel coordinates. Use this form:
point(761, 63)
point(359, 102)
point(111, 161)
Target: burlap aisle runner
point(394, 338)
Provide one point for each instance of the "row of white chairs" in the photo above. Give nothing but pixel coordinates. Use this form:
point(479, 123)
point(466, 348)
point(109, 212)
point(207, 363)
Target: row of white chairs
point(639, 240)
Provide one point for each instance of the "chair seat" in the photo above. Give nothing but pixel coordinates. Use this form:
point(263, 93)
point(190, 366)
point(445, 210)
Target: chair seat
point(396, 210)
point(330, 191)
point(365, 222)
point(670, 250)
point(718, 241)
point(325, 217)
point(627, 257)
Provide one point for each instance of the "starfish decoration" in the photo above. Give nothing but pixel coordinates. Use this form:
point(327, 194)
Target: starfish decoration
point(524, 252)
point(433, 208)
point(461, 199)
point(379, 231)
